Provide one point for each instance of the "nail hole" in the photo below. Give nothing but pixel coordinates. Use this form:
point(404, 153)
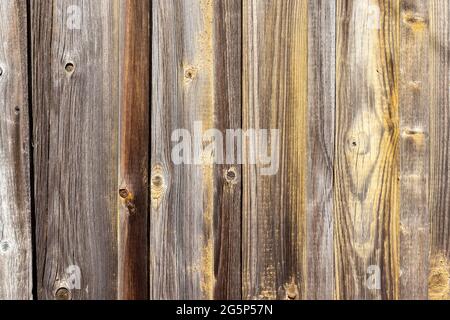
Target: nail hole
point(62, 294)
point(70, 67)
point(17, 109)
point(1, 71)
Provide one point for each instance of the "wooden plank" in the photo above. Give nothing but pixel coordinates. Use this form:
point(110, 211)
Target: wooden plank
point(75, 111)
point(15, 207)
point(321, 107)
point(194, 225)
point(366, 199)
point(275, 54)
point(134, 150)
point(228, 178)
point(414, 152)
point(439, 273)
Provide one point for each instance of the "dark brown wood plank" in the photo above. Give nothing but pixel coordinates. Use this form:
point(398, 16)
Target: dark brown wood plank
point(414, 151)
point(275, 57)
point(134, 150)
point(15, 207)
point(366, 197)
point(439, 273)
point(75, 111)
point(321, 107)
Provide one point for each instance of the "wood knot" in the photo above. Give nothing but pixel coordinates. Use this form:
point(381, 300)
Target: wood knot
point(158, 186)
point(63, 294)
point(69, 67)
point(4, 247)
point(415, 22)
point(190, 73)
point(290, 291)
point(128, 199)
point(359, 143)
point(231, 176)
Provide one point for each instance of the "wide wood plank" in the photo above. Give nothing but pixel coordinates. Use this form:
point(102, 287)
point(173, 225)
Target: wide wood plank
point(15, 207)
point(414, 151)
point(321, 108)
point(439, 273)
point(195, 221)
point(366, 196)
point(75, 112)
point(134, 149)
point(275, 56)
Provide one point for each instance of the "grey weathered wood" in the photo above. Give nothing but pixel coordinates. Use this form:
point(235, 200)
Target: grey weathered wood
point(228, 178)
point(414, 155)
point(275, 86)
point(15, 208)
point(75, 113)
point(321, 107)
point(439, 273)
point(182, 196)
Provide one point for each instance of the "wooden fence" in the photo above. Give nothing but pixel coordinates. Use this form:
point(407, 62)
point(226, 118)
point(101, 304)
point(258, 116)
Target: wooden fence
point(92, 205)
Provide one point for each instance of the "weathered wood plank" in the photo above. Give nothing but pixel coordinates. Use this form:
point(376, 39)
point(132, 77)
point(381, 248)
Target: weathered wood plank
point(75, 50)
point(194, 230)
point(15, 207)
point(366, 200)
point(439, 80)
point(414, 152)
point(275, 54)
point(321, 108)
point(134, 150)
point(228, 178)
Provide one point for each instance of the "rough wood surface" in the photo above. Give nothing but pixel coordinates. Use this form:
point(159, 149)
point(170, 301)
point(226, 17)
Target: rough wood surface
point(275, 54)
point(134, 149)
point(75, 114)
point(439, 273)
point(414, 151)
point(15, 206)
point(321, 108)
point(194, 228)
point(366, 233)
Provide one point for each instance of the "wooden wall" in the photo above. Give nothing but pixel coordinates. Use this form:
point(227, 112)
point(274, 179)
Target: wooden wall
point(92, 205)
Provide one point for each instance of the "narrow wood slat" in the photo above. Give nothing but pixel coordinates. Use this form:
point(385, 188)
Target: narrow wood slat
point(134, 149)
point(75, 113)
point(194, 228)
point(414, 151)
point(439, 273)
point(275, 56)
point(15, 207)
point(366, 196)
point(321, 108)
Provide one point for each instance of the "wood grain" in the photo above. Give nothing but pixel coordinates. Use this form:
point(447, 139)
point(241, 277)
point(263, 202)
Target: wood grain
point(366, 192)
point(15, 207)
point(321, 108)
point(414, 151)
point(228, 177)
point(275, 56)
point(194, 230)
point(439, 273)
point(75, 113)
point(134, 192)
